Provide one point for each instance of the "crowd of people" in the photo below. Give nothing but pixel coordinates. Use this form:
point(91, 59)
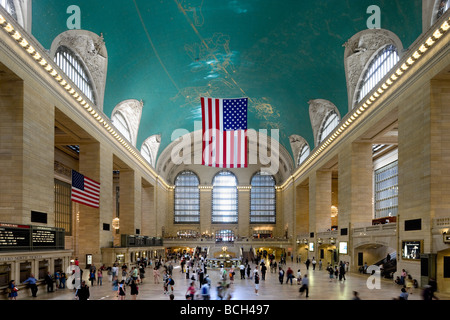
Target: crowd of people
point(126, 279)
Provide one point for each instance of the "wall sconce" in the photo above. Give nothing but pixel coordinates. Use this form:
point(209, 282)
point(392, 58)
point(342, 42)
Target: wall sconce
point(116, 223)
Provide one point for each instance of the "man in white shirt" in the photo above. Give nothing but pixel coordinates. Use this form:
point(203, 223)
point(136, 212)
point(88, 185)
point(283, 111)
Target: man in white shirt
point(242, 269)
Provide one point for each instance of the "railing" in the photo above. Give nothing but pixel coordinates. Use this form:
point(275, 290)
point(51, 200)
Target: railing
point(377, 228)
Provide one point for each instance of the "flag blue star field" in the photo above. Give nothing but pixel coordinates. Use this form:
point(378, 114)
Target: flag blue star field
point(224, 124)
point(85, 191)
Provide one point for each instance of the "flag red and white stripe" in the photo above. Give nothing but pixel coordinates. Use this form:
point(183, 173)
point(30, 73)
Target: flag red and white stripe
point(224, 123)
point(85, 191)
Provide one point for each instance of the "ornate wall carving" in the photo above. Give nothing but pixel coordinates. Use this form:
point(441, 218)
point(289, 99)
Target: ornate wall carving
point(153, 144)
point(92, 50)
point(318, 110)
point(359, 51)
point(297, 143)
point(131, 110)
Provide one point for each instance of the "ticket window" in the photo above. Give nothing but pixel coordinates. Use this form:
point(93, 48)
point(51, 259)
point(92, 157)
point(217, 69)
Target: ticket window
point(5, 275)
point(43, 269)
point(25, 271)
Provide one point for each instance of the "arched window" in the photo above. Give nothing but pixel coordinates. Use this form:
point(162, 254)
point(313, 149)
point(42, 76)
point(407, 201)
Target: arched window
point(9, 7)
point(120, 123)
point(330, 122)
point(262, 199)
point(380, 66)
point(304, 154)
point(187, 198)
point(145, 151)
point(224, 198)
point(444, 5)
point(74, 68)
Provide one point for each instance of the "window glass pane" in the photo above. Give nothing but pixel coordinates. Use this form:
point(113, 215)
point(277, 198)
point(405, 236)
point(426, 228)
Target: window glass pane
point(386, 191)
point(70, 64)
point(9, 7)
point(225, 198)
point(63, 206)
point(330, 123)
point(121, 125)
point(145, 151)
point(225, 236)
point(304, 154)
point(443, 7)
point(380, 66)
point(262, 199)
point(187, 198)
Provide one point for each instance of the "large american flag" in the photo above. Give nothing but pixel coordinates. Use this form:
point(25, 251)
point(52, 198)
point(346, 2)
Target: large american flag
point(224, 123)
point(85, 191)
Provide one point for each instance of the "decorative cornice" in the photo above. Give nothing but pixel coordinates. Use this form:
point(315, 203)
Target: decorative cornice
point(423, 44)
point(45, 62)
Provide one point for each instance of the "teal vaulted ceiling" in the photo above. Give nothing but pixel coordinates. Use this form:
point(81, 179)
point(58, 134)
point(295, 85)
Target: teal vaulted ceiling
point(279, 53)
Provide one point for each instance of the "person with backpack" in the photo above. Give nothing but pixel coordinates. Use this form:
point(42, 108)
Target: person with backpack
point(170, 284)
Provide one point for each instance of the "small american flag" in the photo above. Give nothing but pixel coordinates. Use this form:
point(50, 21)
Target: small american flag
point(85, 190)
point(224, 123)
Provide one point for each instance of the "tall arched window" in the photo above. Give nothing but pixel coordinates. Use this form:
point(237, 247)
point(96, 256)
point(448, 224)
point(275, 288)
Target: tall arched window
point(187, 198)
point(304, 153)
point(443, 6)
point(9, 7)
point(224, 198)
point(262, 199)
point(145, 151)
point(330, 122)
point(74, 68)
point(380, 66)
point(120, 123)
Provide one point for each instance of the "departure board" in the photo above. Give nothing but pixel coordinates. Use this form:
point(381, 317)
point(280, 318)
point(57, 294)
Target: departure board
point(14, 237)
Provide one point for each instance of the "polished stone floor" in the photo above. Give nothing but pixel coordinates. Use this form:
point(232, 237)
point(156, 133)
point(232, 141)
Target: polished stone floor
point(243, 289)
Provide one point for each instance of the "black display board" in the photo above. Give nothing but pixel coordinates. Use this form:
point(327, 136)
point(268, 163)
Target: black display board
point(14, 237)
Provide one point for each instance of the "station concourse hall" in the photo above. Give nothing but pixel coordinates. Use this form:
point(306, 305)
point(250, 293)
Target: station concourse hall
point(224, 150)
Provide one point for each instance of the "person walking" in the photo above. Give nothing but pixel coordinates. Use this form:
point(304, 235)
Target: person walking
point(12, 290)
point(242, 270)
point(263, 271)
point(156, 275)
point(331, 273)
point(281, 275)
point(92, 277)
point(32, 283)
point(289, 275)
point(100, 277)
point(305, 286)
point(83, 293)
point(320, 264)
point(249, 270)
point(256, 284)
point(121, 291)
point(205, 291)
point(134, 290)
point(308, 262)
point(190, 292)
point(49, 282)
point(314, 263)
